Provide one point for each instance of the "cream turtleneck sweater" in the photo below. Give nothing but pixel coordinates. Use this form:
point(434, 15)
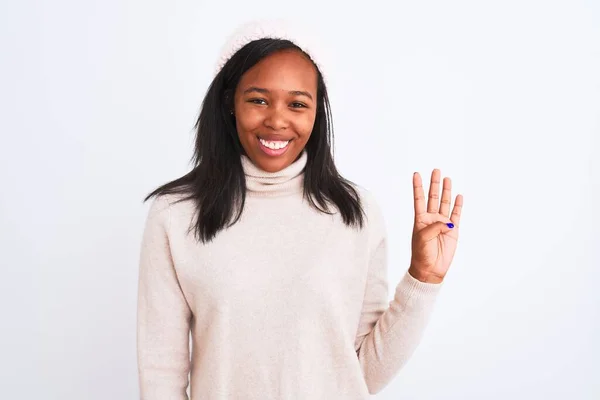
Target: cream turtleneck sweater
point(289, 303)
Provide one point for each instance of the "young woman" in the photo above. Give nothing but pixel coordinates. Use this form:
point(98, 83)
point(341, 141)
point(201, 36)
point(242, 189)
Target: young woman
point(274, 262)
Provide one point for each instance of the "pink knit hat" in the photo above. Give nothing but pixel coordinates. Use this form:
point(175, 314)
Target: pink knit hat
point(276, 29)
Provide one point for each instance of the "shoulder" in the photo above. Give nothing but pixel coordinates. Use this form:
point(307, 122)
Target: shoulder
point(161, 206)
point(157, 216)
point(374, 216)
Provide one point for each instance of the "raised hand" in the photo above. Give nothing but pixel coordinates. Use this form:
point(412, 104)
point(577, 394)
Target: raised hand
point(433, 241)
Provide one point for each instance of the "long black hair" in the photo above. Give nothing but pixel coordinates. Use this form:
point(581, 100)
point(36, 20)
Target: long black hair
point(217, 182)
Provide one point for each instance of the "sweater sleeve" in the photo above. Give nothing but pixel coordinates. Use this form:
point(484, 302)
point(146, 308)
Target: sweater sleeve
point(389, 332)
point(163, 315)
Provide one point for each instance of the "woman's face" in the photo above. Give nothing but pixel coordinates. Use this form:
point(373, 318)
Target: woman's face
point(275, 108)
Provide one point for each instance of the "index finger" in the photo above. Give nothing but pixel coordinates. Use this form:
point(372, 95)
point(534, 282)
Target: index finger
point(418, 194)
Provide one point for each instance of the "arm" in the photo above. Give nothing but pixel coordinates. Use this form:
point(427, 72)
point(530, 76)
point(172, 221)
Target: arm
point(163, 315)
point(389, 333)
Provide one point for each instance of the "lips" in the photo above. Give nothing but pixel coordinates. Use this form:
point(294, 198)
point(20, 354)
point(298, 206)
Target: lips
point(273, 152)
point(274, 138)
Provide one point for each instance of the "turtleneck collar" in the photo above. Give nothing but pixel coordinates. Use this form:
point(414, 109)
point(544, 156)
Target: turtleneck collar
point(262, 183)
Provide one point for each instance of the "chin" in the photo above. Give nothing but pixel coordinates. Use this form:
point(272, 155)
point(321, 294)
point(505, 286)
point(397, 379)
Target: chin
point(269, 164)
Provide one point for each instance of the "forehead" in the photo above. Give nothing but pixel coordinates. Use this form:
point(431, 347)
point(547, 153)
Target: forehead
point(286, 69)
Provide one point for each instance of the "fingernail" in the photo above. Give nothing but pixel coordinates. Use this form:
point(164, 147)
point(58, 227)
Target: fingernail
point(450, 225)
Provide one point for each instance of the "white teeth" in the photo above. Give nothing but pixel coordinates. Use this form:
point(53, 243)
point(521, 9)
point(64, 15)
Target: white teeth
point(275, 144)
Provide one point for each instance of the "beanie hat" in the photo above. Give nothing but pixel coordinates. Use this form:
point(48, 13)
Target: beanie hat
point(275, 29)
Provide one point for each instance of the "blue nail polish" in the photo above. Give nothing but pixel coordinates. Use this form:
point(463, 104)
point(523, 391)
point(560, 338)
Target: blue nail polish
point(450, 225)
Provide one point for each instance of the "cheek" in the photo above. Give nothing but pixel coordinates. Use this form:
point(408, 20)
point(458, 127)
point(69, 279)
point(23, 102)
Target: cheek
point(248, 121)
point(305, 126)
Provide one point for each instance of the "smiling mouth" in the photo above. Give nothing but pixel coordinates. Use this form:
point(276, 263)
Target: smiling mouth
point(274, 144)
point(274, 147)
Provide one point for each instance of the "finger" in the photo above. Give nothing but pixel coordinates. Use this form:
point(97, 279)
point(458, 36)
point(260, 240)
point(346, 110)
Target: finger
point(434, 192)
point(418, 194)
point(446, 196)
point(457, 210)
point(432, 231)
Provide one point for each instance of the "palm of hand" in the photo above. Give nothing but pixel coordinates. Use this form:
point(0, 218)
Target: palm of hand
point(433, 243)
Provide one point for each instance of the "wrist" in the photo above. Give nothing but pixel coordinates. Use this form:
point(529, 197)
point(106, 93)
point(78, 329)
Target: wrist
point(424, 276)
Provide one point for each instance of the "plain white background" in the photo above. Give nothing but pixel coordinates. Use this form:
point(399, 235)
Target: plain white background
point(98, 101)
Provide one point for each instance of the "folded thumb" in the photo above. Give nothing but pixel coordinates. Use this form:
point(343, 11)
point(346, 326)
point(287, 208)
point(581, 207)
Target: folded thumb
point(434, 230)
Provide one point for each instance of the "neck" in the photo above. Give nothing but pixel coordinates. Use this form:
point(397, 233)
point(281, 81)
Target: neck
point(267, 184)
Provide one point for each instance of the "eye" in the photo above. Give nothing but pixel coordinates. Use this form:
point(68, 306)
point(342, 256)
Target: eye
point(257, 101)
point(298, 105)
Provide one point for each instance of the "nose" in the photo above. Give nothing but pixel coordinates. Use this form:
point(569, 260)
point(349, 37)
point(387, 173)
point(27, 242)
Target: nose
point(276, 118)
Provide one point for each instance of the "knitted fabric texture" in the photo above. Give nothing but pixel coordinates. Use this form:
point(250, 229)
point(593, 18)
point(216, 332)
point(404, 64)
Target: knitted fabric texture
point(275, 29)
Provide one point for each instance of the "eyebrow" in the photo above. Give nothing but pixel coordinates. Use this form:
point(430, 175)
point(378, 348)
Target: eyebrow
point(292, 92)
